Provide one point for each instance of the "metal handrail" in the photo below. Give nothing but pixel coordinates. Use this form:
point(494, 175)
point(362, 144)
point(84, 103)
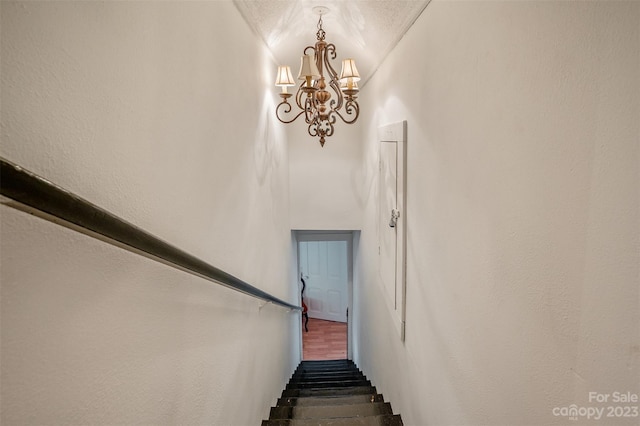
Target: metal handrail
point(45, 199)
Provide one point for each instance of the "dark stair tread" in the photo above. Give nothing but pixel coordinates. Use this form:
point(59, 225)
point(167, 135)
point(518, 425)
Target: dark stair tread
point(339, 380)
point(311, 379)
point(328, 384)
point(326, 364)
point(328, 400)
point(356, 390)
point(331, 411)
point(328, 379)
point(381, 420)
point(326, 367)
point(315, 376)
point(320, 365)
point(326, 373)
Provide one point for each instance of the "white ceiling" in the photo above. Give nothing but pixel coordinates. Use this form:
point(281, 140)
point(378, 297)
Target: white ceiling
point(365, 30)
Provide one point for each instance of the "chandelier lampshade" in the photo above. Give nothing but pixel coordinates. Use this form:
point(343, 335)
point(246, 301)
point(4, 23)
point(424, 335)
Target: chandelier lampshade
point(284, 78)
point(308, 69)
point(322, 96)
point(349, 70)
point(349, 77)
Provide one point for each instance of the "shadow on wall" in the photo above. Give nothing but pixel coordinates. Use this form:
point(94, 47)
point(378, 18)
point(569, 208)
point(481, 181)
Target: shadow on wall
point(268, 150)
point(363, 179)
point(270, 157)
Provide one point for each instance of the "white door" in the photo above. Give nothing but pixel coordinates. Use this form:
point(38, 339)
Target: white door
point(392, 220)
point(324, 266)
point(387, 229)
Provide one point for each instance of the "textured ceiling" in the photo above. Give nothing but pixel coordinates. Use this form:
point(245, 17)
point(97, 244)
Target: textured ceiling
point(365, 30)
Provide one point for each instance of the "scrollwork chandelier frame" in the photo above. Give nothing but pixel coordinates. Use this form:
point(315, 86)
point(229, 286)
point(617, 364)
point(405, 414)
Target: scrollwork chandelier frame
point(322, 96)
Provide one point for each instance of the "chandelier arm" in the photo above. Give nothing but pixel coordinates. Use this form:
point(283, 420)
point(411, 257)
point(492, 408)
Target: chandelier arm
point(309, 111)
point(299, 95)
point(332, 121)
point(312, 129)
point(286, 110)
point(334, 104)
point(351, 107)
point(330, 129)
point(334, 81)
point(330, 47)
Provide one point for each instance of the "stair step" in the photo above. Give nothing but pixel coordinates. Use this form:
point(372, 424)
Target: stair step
point(331, 411)
point(322, 365)
point(381, 420)
point(328, 384)
point(327, 374)
point(326, 361)
point(328, 371)
point(326, 364)
point(332, 379)
point(331, 393)
point(328, 378)
point(320, 369)
point(328, 400)
point(338, 391)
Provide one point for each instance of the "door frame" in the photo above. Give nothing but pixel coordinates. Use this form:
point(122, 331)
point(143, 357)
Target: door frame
point(320, 235)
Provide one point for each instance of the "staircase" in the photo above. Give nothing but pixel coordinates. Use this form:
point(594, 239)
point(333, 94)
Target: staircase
point(332, 393)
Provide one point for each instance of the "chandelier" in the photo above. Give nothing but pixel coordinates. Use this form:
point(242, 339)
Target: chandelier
point(315, 102)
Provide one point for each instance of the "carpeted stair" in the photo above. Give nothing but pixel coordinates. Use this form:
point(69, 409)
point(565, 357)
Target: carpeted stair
point(330, 393)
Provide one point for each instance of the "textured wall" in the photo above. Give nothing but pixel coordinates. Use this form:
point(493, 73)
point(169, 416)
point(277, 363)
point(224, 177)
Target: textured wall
point(325, 190)
point(523, 213)
point(150, 110)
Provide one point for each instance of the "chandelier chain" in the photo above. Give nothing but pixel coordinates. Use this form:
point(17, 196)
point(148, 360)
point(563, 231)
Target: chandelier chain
point(321, 33)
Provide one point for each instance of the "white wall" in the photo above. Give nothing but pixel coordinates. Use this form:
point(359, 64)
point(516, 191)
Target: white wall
point(523, 213)
point(150, 110)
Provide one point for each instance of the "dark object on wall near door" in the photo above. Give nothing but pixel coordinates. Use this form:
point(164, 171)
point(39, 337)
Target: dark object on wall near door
point(305, 315)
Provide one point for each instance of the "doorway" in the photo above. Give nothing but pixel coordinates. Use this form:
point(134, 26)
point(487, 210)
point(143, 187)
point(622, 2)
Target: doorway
point(325, 271)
